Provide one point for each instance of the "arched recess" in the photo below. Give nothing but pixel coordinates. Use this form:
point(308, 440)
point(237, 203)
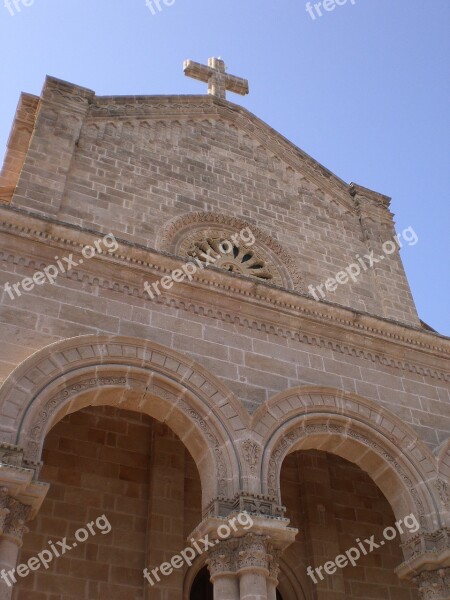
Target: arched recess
point(171, 235)
point(133, 374)
point(358, 430)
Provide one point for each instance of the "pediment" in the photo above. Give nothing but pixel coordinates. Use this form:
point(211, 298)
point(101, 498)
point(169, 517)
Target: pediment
point(163, 117)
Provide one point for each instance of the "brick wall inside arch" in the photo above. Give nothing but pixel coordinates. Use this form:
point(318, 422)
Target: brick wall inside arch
point(333, 503)
point(108, 461)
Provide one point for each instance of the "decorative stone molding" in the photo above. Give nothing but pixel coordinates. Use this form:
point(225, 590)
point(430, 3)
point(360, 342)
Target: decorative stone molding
point(40, 424)
point(66, 236)
point(181, 234)
point(253, 504)
point(425, 551)
point(222, 472)
point(253, 553)
point(58, 376)
point(222, 559)
point(241, 260)
point(13, 516)
point(274, 564)
point(250, 552)
point(295, 435)
point(442, 488)
point(434, 585)
point(251, 452)
point(11, 455)
point(214, 109)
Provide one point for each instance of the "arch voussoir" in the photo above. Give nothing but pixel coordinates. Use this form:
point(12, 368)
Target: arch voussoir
point(355, 429)
point(131, 374)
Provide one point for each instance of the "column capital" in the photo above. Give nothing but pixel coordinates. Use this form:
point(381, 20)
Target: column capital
point(434, 585)
point(222, 559)
point(274, 565)
point(19, 478)
point(13, 516)
point(253, 553)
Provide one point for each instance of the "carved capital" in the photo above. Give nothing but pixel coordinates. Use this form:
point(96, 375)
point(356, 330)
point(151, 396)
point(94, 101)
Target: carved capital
point(13, 516)
point(274, 564)
point(253, 552)
point(222, 559)
point(434, 585)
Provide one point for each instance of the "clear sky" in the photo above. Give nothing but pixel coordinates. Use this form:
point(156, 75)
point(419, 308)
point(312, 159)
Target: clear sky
point(364, 88)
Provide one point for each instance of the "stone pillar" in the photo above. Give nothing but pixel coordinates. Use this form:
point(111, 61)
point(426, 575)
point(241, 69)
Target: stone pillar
point(274, 570)
point(434, 585)
point(253, 567)
point(244, 566)
point(221, 565)
point(13, 515)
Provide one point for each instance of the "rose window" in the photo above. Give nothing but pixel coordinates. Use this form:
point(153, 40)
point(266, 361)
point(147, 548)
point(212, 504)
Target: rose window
point(234, 257)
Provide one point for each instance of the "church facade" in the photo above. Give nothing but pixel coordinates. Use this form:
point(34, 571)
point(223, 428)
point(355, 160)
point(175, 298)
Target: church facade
point(214, 381)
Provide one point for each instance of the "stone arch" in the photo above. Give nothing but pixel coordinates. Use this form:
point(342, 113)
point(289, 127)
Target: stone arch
point(291, 585)
point(358, 430)
point(442, 484)
point(133, 374)
point(169, 237)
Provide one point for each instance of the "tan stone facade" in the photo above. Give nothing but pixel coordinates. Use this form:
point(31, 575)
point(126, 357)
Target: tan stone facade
point(234, 390)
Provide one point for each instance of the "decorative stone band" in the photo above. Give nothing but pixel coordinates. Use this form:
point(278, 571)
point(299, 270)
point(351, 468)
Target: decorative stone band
point(274, 565)
point(221, 559)
point(251, 552)
point(254, 504)
point(425, 552)
point(434, 585)
point(13, 516)
point(19, 488)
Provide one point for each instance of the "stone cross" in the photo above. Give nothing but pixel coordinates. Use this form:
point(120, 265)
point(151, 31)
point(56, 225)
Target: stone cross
point(216, 77)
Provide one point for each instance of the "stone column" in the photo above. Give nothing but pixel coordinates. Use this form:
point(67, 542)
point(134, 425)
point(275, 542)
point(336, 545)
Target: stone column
point(253, 567)
point(222, 567)
point(13, 515)
point(434, 585)
point(274, 570)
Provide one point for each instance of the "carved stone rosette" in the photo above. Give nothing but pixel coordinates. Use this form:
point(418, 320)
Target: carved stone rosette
point(434, 585)
point(13, 516)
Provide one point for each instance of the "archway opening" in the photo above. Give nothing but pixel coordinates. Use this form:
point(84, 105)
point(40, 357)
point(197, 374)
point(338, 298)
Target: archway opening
point(337, 507)
point(129, 482)
point(202, 588)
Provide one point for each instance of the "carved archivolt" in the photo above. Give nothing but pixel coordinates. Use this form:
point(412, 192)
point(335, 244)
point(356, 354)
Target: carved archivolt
point(290, 418)
point(50, 381)
point(294, 436)
point(182, 234)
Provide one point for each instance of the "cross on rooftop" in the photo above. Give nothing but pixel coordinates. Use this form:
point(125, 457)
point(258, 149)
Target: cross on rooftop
point(216, 77)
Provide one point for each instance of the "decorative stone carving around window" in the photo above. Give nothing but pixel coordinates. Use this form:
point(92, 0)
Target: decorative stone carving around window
point(265, 261)
point(242, 260)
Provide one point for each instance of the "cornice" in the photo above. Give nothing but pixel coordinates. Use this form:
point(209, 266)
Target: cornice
point(219, 294)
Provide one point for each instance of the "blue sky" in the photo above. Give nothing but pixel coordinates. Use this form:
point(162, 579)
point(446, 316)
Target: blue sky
point(364, 89)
